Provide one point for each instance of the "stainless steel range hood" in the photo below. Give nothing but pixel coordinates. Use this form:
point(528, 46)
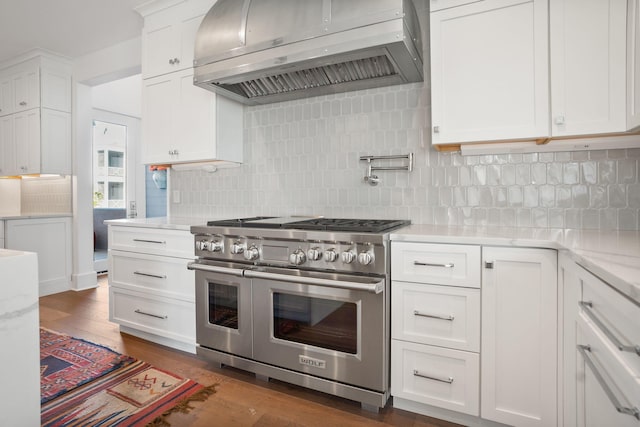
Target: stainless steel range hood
point(263, 51)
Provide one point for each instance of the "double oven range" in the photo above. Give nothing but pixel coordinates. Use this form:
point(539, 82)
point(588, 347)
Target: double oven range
point(304, 301)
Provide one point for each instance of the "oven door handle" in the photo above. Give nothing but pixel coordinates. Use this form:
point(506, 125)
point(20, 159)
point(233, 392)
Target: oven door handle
point(215, 269)
point(374, 288)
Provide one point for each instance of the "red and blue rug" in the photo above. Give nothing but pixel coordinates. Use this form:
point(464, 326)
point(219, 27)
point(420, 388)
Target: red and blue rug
point(66, 363)
point(89, 385)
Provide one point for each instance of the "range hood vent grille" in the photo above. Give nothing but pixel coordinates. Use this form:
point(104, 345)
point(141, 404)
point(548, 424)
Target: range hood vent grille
point(344, 72)
point(263, 51)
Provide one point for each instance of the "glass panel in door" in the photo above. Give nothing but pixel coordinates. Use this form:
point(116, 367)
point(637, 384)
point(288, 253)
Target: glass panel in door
point(223, 305)
point(323, 323)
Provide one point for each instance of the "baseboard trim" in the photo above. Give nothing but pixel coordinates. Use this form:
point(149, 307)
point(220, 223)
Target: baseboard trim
point(84, 281)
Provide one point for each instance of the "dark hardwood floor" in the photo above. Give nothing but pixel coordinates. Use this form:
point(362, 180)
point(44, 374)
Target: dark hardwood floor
point(240, 400)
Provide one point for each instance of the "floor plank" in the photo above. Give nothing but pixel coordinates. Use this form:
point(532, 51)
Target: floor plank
point(240, 400)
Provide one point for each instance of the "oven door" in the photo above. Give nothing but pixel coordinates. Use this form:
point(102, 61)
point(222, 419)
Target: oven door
point(223, 307)
point(327, 325)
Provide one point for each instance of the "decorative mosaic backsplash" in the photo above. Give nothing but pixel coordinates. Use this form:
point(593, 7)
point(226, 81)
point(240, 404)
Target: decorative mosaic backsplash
point(302, 158)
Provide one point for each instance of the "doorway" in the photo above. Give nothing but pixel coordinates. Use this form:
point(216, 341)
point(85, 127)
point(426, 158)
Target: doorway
point(109, 184)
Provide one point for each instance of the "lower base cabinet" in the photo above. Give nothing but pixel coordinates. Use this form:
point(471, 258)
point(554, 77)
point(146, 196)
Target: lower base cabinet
point(50, 238)
point(511, 379)
point(600, 367)
point(151, 291)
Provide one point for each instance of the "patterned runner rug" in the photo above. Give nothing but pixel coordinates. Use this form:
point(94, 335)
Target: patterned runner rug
point(132, 394)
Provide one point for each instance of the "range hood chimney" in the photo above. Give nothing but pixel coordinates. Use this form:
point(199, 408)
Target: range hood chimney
point(264, 51)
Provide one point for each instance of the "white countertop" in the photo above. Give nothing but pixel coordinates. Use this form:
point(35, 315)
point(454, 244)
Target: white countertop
point(10, 217)
point(171, 223)
point(612, 255)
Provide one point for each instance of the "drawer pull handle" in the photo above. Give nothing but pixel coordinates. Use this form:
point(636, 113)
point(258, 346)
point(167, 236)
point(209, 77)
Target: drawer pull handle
point(585, 350)
point(159, 242)
point(157, 276)
point(428, 264)
point(157, 316)
point(433, 316)
point(429, 377)
point(587, 306)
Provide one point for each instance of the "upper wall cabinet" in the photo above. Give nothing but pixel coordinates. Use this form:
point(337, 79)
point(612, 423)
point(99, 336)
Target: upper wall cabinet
point(35, 129)
point(489, 71)
point(633, 64)
point(168, 37)
point(588, 76)
point(490, 61)
point(182, 123)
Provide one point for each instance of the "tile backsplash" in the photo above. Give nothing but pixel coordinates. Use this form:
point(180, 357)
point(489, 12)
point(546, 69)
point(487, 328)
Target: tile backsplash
point(46, 196)
point(302, 158)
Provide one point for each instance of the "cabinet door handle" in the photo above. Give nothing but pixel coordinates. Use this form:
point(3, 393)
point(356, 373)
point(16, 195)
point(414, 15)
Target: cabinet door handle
point(157, 276)
point(587, 307)
point(436, 129)
point(417, 373)
point(432, 316)
point(157, 316)
point(159, 242)
point(585, 350)
point(428, 264)
point(23, 103)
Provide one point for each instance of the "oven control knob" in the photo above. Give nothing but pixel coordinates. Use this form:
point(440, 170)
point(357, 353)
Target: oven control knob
point(348, 257)
point(297, 257)
point(314, 254)
point(365, 258)
point(237, 248)
point(330, 255)
point(252, 253)
point(215, 246)
point(202, 245)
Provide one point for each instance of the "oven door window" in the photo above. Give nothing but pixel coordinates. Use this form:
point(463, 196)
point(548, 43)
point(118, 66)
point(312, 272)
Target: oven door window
point(323, 323)
point(223, 305)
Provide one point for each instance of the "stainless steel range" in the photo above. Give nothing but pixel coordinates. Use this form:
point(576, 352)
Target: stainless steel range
point(304, 301)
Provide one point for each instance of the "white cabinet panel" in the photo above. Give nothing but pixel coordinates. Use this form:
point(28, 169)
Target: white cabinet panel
point(436, 376)
point(27, 141)
point(6, 95)
point(26, 87)
point(7, 146)
point(445, 316)
point(633, 64)
point(519, 336)
point(184, 123)
point(489, 71)
point(50, 238)
point(588, 81)
point(454, 265)
point(153, 241)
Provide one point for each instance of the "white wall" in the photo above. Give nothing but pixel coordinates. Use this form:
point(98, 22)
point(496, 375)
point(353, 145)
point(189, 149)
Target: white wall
point(121, 96)
point(116, 62)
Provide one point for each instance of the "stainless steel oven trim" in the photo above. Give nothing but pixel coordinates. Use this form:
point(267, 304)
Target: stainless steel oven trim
point(374, 288)
point(215, 268)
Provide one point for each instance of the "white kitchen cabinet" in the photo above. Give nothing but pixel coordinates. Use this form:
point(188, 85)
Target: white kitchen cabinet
point(35, 132)
point(1, 234)
point(633, 64)
point(597, 322)
point(7, 146)
point(519, 336)
point(184, 123)
point(489, 71)
point(50, 238)
point(588, 67)
point(36, 141)
point(169, 36)
point(151, 291)
point(435, 328)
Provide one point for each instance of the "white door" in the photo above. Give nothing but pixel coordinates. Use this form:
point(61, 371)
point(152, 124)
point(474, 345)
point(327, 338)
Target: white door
point(519, 336)
point(489, 71)
point(588, 76)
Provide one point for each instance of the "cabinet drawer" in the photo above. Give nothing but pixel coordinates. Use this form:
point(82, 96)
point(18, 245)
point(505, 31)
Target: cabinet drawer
point(172, 319)
point(154, 241)
point(445, 316)
point(615, 316)
point(152, 273)
point(454, 381)
point(453, 265)
point(605, 370)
